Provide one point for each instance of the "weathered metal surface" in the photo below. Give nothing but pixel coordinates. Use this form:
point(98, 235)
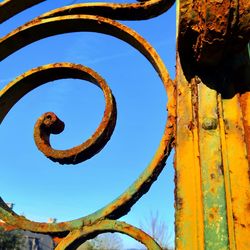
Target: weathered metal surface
point(45, 26)
point(208, 118)
point(126, 11)
point(189, 225)
point(77, 237)
point(9, 8)
point(212, 126)
point(238, 172)
point(212, 29)
point(212, 173)
point(49, 123)
point(245, 105)
point(212, 169)
point(200, 201)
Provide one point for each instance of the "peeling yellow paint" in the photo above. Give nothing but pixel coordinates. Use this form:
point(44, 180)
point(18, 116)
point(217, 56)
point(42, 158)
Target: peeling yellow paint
point(188, 202)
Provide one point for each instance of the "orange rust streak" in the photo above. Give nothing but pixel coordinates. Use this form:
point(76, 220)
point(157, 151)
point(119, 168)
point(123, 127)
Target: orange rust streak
point(57, 240)
point(7, 227)
point(245, 106)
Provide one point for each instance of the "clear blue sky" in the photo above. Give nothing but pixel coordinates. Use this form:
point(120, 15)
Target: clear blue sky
point(40, 188)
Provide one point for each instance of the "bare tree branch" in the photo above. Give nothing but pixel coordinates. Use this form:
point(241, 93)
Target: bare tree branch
point(157, 228)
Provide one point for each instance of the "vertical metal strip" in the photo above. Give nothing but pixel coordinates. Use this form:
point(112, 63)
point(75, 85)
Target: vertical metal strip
point(230, 221)
point(188, 196)
point(213, 189)
point(239, 171)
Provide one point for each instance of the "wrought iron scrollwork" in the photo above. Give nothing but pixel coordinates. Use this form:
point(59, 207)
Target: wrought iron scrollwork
point(96, 17)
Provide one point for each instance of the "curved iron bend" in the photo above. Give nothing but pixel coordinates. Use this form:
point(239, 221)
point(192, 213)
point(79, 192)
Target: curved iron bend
point(9, 8)
point(49, 123)
point(39, 29)
point(118, 11)
point(77, 237)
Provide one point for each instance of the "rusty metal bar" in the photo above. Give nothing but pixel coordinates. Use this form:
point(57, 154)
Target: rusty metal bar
point(9, 8)
point(75, 238)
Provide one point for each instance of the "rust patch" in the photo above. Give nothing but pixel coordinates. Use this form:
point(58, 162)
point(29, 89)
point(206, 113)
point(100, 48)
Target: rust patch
point(211, 29)
point(57, 240)
point(245, 106)
point(191, 125)
point(212, 176)
point(214, 215)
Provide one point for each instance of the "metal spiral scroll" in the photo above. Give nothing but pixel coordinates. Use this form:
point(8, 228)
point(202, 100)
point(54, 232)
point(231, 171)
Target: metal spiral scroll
point(84, 17)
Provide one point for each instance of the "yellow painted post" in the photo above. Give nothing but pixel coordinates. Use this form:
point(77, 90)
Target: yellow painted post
point(212, 128)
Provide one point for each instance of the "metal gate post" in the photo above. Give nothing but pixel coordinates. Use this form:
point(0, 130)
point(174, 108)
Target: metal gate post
point(212, 131)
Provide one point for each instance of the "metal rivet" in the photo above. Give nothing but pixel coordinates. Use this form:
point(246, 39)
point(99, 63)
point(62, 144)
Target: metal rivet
point(209, 123)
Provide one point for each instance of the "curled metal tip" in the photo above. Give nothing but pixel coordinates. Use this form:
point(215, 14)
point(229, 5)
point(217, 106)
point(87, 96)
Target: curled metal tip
point(51, 124)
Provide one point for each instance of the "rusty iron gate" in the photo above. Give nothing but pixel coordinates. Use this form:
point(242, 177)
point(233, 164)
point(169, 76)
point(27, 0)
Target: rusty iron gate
point(208, 118)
